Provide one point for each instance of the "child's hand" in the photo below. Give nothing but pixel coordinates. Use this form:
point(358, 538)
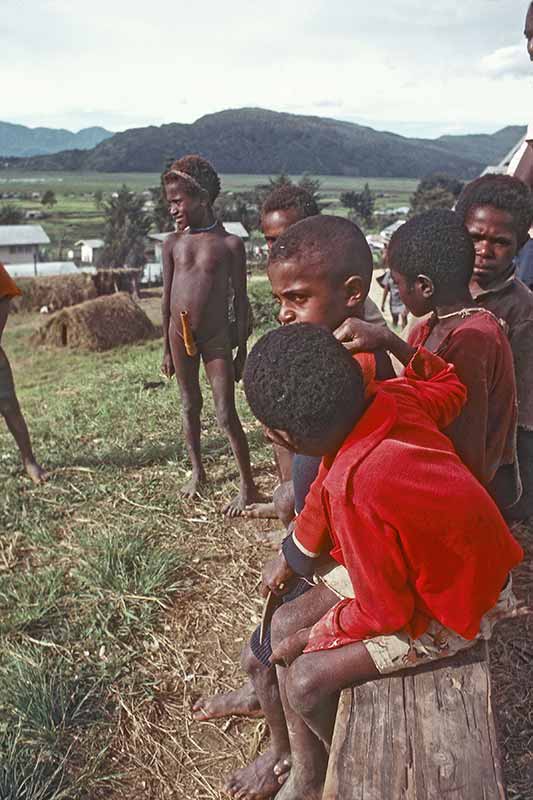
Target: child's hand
point(276, 576)
point(360, 337)
point(167, 366)
point(290, 648)
point(238, 363)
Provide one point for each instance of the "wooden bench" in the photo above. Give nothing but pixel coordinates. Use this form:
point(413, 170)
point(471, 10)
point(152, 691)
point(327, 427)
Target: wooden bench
point(424, 735)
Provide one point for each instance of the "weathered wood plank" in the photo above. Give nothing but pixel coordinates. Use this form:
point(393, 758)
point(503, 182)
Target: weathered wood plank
point(425, 735)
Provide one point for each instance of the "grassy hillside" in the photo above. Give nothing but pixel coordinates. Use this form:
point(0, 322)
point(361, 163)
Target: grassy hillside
point(257, 141)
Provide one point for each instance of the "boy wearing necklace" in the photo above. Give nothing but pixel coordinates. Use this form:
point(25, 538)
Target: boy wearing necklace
point(200, 261)
point(498, 212)
point(432, 261)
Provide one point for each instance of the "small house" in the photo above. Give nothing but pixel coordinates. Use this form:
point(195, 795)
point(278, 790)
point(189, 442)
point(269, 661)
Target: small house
point(89, 250)
point(21, 243)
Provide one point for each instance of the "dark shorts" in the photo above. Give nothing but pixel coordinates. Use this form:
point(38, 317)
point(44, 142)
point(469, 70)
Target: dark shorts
point(524, 508)
point(7, 387)
point(263, 651)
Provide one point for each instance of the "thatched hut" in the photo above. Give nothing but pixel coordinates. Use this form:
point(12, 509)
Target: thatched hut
point(99, 324)
point(54, 292)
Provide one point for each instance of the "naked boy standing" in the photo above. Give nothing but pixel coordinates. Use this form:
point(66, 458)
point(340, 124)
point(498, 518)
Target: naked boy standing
point(200, 264)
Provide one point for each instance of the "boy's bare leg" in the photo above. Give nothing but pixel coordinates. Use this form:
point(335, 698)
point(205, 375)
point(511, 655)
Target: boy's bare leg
point(269, 770)
point(280, 506)
point(188, 378)
point(309, 691)
point(242, 702)
point(17, 425)
point(222, 379)
point(260, 779)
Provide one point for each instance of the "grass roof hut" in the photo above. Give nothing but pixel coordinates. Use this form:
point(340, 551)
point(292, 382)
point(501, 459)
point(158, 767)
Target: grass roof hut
point(99, 324)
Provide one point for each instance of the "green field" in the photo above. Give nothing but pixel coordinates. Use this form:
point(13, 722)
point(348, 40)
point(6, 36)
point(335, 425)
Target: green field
point(76, 216)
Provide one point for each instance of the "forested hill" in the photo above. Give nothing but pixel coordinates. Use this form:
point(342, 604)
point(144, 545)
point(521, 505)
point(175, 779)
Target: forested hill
point(252, 140)
point(18, 140)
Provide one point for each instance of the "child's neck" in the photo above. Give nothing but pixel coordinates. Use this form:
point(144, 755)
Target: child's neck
point(448, 306)
point(207, 221)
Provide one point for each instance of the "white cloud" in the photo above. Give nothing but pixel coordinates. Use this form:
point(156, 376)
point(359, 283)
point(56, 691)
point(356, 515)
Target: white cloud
point(507, 61)
point(398, 64)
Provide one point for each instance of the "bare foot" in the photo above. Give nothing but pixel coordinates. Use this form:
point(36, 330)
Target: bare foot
point(294, 789)
point(257, 780)
point(242, 702)
point(193, 486)
point(247, 496)
point(260, 511)
point(35, 472)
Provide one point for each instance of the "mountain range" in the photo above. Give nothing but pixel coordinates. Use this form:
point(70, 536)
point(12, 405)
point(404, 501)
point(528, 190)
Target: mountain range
point(18, 140)
point(258, 141)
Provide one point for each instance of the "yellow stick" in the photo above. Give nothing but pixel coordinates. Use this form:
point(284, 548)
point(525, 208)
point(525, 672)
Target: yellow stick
point(188, 338)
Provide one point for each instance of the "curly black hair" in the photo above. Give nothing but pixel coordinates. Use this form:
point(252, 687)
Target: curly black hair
point(504, 192)
point(201, 171)
point(290, 196)
point(300, 380)
point(435, 244)
point(334, 244)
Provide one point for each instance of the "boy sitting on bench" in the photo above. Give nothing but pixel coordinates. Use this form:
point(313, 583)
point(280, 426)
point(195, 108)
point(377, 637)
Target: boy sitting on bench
point(429, 557)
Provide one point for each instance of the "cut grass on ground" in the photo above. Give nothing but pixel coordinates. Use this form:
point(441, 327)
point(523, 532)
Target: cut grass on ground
point(120, 603)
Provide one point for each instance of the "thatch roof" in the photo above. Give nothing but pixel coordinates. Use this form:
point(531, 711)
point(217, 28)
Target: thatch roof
point(99, 324)
point(54, 292)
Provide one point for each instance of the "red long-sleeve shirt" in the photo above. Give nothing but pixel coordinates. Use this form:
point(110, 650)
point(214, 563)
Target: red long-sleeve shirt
point(418, 534)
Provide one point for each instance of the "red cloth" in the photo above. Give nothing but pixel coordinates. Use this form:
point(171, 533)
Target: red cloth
point(418, 534)
point(8, 287)
point(484, 434)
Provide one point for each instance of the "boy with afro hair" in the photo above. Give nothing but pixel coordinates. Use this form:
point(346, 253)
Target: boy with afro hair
point(408, 552)
point(200, 263)
point(498, 212)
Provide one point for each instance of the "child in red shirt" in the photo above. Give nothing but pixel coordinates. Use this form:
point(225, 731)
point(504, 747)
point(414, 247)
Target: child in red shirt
point(9, 407)
point(432, 261)
point(429, 558)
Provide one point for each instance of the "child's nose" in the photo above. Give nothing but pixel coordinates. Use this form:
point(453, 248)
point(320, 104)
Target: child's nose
point(285, 316)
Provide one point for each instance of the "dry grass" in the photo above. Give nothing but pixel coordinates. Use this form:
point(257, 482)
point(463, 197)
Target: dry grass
point(55, 292)
point(100, 324)
point(141, 601)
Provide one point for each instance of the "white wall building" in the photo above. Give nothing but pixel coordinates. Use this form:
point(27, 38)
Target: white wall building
point(90, 249)
point(21, 243)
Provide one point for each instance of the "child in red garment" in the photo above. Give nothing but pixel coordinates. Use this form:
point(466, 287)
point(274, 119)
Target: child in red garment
point(429, 558)
point(432, 261)
point(9, 406)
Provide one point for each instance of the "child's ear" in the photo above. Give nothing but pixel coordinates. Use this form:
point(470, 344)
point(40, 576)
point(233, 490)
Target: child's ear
point(355, 291)
point(426, 286)
point(281, 438)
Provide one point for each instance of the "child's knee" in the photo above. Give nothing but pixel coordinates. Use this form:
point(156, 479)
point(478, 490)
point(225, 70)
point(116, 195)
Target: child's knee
point(9, 407)
point(303, 692)
point(191, 403)
point(226, 415)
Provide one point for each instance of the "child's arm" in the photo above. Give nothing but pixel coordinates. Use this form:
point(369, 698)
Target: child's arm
point(384, 601)
point(238, 281)
point(4, 313)
point(386, 290)
point(167, 366)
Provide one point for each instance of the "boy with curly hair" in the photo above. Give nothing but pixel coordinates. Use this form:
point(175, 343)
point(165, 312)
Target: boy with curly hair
point(200, 263)
point(408, 552)
point(497, 211)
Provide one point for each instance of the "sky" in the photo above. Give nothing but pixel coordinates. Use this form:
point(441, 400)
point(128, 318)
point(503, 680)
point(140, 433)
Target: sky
point(415, 67)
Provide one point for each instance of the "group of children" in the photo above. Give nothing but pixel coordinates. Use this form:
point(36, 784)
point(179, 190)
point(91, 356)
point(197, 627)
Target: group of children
point(427, 468)
point(397, 491)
